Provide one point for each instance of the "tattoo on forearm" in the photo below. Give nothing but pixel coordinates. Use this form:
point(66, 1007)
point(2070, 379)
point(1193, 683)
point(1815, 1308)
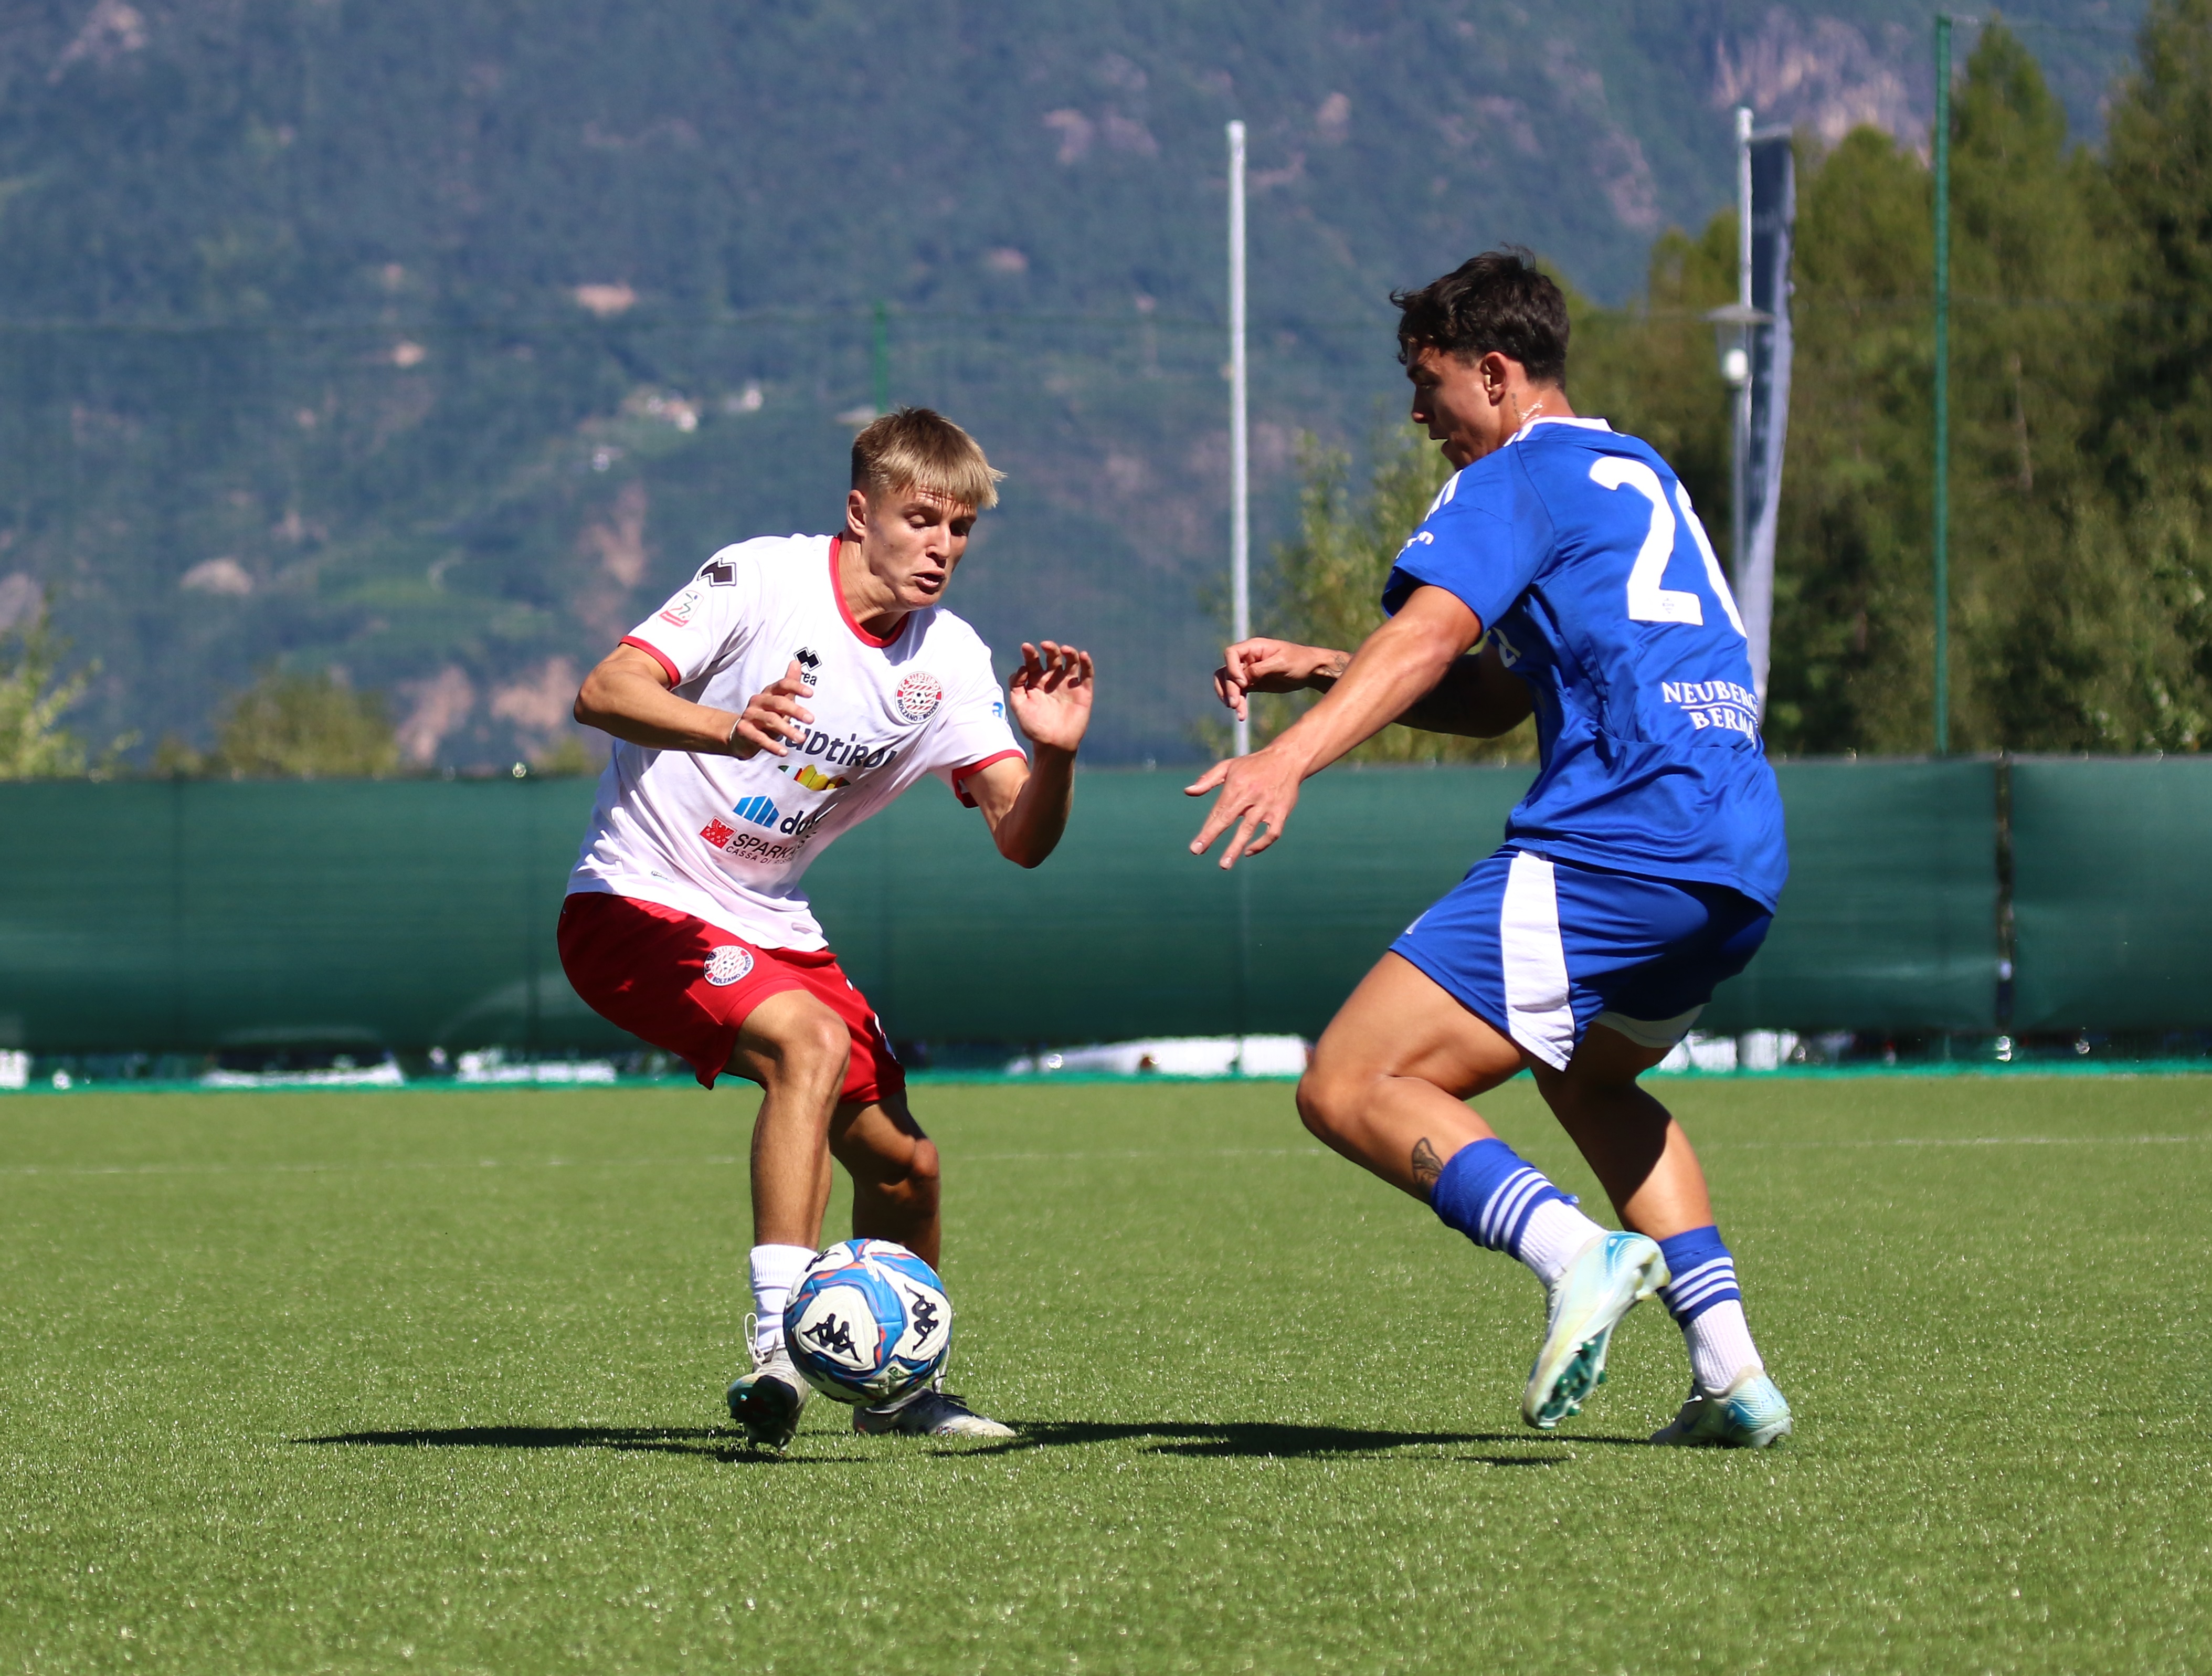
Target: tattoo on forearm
point(1427, 1167)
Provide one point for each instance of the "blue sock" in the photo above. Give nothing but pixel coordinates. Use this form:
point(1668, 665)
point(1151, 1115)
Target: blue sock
point(1703, 1274)
point(1488, 1192)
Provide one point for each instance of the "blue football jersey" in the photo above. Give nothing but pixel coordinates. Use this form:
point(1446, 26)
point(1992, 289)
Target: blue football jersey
point(1578, 548)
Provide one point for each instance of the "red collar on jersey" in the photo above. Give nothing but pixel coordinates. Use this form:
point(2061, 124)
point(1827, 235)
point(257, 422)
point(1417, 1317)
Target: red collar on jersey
point(837, 591)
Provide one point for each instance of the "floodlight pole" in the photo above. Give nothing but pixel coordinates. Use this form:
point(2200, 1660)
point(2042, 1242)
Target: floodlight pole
point(879, 357)
point(1740, 438)
point(1239, 461)
point(1941, 496)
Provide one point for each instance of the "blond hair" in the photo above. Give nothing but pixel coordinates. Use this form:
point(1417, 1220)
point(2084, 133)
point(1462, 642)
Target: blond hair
point(916, 448)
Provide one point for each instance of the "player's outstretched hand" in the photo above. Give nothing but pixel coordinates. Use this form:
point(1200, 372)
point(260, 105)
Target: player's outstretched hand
point(1260, 665)
point(1051, 694)
point(773, 719)
point(1257, 794)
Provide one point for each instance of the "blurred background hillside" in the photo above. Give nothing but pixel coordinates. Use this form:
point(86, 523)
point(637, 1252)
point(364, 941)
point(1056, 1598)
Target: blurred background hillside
point(373, 367)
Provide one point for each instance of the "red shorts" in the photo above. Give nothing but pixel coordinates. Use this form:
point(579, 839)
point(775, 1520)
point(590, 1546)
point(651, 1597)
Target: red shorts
point(686, 986)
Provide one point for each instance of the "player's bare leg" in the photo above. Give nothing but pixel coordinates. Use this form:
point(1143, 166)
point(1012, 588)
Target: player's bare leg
point(1639, 1153)
point(1630, 1141)
point(894, 1167)
point(1387, 1087)
point(1390, 1076)
point(797, 1049)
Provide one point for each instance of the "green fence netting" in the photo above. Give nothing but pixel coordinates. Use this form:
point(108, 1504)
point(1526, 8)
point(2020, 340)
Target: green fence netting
point(193, 915)
point(2112, 900)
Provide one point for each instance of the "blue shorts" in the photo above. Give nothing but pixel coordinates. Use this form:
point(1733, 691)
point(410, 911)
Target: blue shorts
point(1541, 949)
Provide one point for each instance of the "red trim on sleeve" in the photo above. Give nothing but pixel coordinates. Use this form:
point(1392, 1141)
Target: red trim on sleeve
point(675, 676)
point(838, 593)
point(960, 775)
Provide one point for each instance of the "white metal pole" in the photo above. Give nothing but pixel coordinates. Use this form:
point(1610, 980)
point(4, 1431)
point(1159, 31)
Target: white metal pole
point(1740, 451)
point(1239, 461)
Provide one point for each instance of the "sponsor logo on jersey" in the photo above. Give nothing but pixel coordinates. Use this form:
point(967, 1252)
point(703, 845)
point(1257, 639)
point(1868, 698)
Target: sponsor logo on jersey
point(808, 661)
point(814, 781)
point(729, 965)
point(716, 833)
point(918, 696)
point(839, 752)
point(1714, 704)
point(717, 573)
point(678, 610)
point(761, 810)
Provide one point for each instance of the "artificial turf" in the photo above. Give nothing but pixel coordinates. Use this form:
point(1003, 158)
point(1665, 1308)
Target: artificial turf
point(433, 1381)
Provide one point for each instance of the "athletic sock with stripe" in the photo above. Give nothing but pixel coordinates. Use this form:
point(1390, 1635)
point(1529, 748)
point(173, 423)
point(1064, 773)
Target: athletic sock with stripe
point(1488, 1192)
point(1706, 1303)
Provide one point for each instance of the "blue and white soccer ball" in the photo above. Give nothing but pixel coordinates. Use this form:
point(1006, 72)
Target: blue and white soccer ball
point(868, 1322)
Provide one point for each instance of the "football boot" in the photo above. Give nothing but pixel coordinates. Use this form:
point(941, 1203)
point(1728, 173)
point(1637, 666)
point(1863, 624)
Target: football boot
point(1608, 1277)
point(1750, 1414)
point(929, 1412)
point(766, 1401)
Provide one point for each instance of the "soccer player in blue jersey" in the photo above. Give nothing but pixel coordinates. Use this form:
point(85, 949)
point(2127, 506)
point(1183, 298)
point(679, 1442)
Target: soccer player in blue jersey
point(1562, 570)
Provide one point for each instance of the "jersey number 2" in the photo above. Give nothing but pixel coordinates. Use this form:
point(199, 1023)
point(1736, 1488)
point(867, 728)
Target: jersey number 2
point(1648, 602)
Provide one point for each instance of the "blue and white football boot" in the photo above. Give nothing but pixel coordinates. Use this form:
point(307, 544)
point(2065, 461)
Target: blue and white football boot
point(1750, 1414)
point(1608, 1277)
point(766, 1401)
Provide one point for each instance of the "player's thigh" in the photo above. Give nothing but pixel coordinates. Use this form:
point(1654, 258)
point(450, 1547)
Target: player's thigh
point(1605, 1061)
point(878, 1141)
point(1401, 1022)
point(791, 1031)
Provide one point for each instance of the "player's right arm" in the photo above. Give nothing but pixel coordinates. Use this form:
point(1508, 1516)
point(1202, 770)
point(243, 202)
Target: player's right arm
point(1478, 697)
point(631, 696)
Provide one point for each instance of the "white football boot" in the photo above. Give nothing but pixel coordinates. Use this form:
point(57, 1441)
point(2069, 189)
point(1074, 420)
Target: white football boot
point(931, 1412)
point(1608, 1277)
point(1750, 1414)
point(766, 1401)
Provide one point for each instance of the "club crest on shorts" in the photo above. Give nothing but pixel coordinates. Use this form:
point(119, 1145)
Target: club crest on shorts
point(728, 965)
point(918, 695)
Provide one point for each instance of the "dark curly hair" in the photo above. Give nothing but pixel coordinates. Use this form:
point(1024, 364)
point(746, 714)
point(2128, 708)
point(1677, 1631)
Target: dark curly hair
point(1496, 301)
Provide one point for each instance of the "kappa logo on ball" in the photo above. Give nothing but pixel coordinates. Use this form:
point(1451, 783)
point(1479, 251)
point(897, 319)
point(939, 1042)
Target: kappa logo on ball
point(918, 696)
point(729, 965)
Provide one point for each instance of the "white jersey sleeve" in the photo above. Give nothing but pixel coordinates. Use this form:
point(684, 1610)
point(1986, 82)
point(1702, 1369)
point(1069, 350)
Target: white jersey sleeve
point(708, 622)
point(973, 732)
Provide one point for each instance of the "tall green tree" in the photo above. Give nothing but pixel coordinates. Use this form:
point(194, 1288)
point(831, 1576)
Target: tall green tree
point(33, 697)
point(291, 726)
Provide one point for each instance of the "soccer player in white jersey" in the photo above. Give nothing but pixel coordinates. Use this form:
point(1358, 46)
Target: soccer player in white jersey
point(792, 688)
point(1642, 868)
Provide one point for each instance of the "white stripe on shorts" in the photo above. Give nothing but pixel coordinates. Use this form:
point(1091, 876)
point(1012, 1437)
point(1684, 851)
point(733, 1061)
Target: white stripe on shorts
point(1537, 1008)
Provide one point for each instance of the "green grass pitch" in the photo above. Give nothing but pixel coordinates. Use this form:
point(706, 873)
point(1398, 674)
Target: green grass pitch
point(433, 1382)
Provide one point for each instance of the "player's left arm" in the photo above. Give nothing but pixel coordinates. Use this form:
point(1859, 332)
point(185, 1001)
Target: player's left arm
point(1026, 804)
point(1399, 662)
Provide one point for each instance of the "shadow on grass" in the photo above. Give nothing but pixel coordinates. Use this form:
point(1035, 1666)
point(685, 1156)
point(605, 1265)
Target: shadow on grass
point(1244, 1439)
point(718, 1443)
point(1265, 1440)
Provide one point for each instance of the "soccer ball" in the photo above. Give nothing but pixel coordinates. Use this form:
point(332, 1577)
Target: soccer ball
point(868, 1322)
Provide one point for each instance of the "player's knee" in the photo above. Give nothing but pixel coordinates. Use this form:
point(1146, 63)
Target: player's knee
point(919, 1184)
point(1326, 1100)
point(814, 1045)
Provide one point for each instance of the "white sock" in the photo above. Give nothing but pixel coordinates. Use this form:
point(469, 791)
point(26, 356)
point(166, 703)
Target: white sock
point(775, 1271)
point(1555, 1231)
point(1721, 1350)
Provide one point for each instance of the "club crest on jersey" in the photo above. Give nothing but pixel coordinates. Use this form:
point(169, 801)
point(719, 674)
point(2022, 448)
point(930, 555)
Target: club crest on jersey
point(729, 965)
point(918, 696)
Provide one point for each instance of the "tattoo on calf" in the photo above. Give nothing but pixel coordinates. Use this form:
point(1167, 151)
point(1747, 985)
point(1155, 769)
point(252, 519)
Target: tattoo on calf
point(1427, 1167)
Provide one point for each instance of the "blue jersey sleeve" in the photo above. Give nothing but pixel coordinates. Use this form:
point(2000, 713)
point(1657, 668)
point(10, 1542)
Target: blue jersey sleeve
point(1484, 540)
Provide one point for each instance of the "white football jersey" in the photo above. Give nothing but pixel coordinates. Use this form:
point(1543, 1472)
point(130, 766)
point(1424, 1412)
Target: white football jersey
point(728, 841)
